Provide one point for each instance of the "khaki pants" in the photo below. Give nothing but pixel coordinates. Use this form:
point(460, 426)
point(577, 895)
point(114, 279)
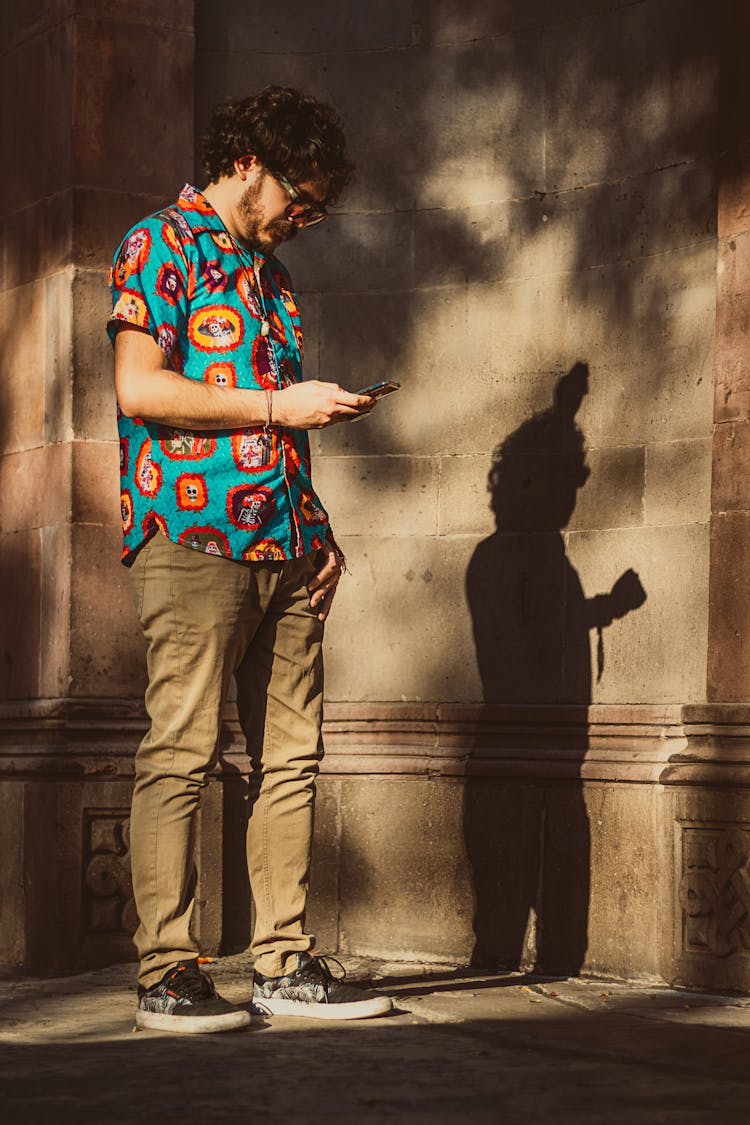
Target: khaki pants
point(206, 619)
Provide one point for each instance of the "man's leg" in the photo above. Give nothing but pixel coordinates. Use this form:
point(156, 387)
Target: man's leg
point(198, 613)
point(280, 704)
point(280, 699)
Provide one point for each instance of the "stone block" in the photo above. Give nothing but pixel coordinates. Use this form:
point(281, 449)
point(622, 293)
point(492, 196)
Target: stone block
point(39, 239)
point(35, 488)
point(613, 494)
point(294, 28)
point(605, 223)
point(651, 92)
point(396, 496)
point(732, 372)
point(94, 402)
point(655, 363)
point(400, 628)
point(464, 500)
point(729, 609)
point(678, 482)
point(20, 622)
point(22, 326)
point(657, 651)
point(580, 320)
point(358, 253)
point(102, 218)
point(405, 887)
point(629, 883)
point(455, 245)
point(96, 483)
point(468, 121)
point(506, 328)
point(669, 209)
point(421, 342)
point(155, 136)
point(106, 642)
point(37, 76)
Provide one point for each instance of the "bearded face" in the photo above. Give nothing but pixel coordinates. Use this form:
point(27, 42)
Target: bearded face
point(259, 231)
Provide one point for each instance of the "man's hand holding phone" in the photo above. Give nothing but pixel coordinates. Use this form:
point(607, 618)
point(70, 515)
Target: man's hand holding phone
point(375, 391)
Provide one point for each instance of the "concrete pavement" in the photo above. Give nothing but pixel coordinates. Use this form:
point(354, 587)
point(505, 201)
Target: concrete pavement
point(487, 1048)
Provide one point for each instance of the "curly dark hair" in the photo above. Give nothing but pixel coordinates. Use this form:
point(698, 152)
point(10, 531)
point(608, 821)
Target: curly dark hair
point(290, 132)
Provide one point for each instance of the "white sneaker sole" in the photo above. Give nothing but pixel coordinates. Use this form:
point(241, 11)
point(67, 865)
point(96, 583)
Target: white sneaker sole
point(357, 1010)
point(191, 1025)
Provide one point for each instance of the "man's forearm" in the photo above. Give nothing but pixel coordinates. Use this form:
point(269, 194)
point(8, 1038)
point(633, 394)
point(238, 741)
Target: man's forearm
point(149, 390)
point(174, 400)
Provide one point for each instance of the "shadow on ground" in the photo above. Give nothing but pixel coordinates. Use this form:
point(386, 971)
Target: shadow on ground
point(460, 1046)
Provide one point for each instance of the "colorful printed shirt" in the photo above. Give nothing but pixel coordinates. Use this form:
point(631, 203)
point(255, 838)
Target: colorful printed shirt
point(225, 315)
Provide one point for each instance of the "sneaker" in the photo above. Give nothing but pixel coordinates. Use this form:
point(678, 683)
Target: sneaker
point(186, 1001)
point(312, 990)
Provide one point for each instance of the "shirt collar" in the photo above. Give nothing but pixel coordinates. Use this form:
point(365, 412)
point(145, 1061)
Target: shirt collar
point(201, 216)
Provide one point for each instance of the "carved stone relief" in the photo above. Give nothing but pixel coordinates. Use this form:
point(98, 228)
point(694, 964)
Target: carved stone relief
point(108, 887)
point(715, 891)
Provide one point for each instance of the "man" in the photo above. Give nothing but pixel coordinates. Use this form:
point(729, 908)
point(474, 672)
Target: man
point(231, 554)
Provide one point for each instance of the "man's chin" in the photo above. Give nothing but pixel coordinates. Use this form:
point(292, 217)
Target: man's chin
point(271, 239)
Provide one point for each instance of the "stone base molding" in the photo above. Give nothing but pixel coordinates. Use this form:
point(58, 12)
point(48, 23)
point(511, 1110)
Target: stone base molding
point(607, 839)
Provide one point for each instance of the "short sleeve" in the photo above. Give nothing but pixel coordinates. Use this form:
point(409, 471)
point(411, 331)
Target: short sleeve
point(149, 282)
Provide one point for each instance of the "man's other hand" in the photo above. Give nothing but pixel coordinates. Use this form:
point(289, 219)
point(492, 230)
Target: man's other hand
point(312, 405)
point(323, 585)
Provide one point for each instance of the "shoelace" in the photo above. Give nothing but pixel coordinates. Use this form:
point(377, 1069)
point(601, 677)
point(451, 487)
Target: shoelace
point(320, 966)
point(189, 982)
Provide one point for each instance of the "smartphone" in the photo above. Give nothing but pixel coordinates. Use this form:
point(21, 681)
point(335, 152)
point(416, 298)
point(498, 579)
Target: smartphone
point(376, 390)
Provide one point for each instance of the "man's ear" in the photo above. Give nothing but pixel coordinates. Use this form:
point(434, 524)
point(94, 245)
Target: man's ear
point(244, 166)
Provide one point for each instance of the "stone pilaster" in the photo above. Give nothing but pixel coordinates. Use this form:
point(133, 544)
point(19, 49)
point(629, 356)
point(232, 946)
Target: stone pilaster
point(97, 105)
point(729, 604)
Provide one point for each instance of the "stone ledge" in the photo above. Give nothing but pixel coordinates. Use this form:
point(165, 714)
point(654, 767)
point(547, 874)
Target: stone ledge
point(637, 743)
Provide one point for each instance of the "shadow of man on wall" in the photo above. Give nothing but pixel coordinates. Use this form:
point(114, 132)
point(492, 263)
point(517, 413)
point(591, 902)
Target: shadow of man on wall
point(528, 839)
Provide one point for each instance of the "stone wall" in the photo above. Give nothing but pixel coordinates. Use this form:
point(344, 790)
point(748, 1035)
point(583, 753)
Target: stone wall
point(534, 190)
point(530, 757)
point(531, 249)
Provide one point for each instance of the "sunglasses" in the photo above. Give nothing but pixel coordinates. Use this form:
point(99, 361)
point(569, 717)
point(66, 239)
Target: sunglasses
point(306, 211)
